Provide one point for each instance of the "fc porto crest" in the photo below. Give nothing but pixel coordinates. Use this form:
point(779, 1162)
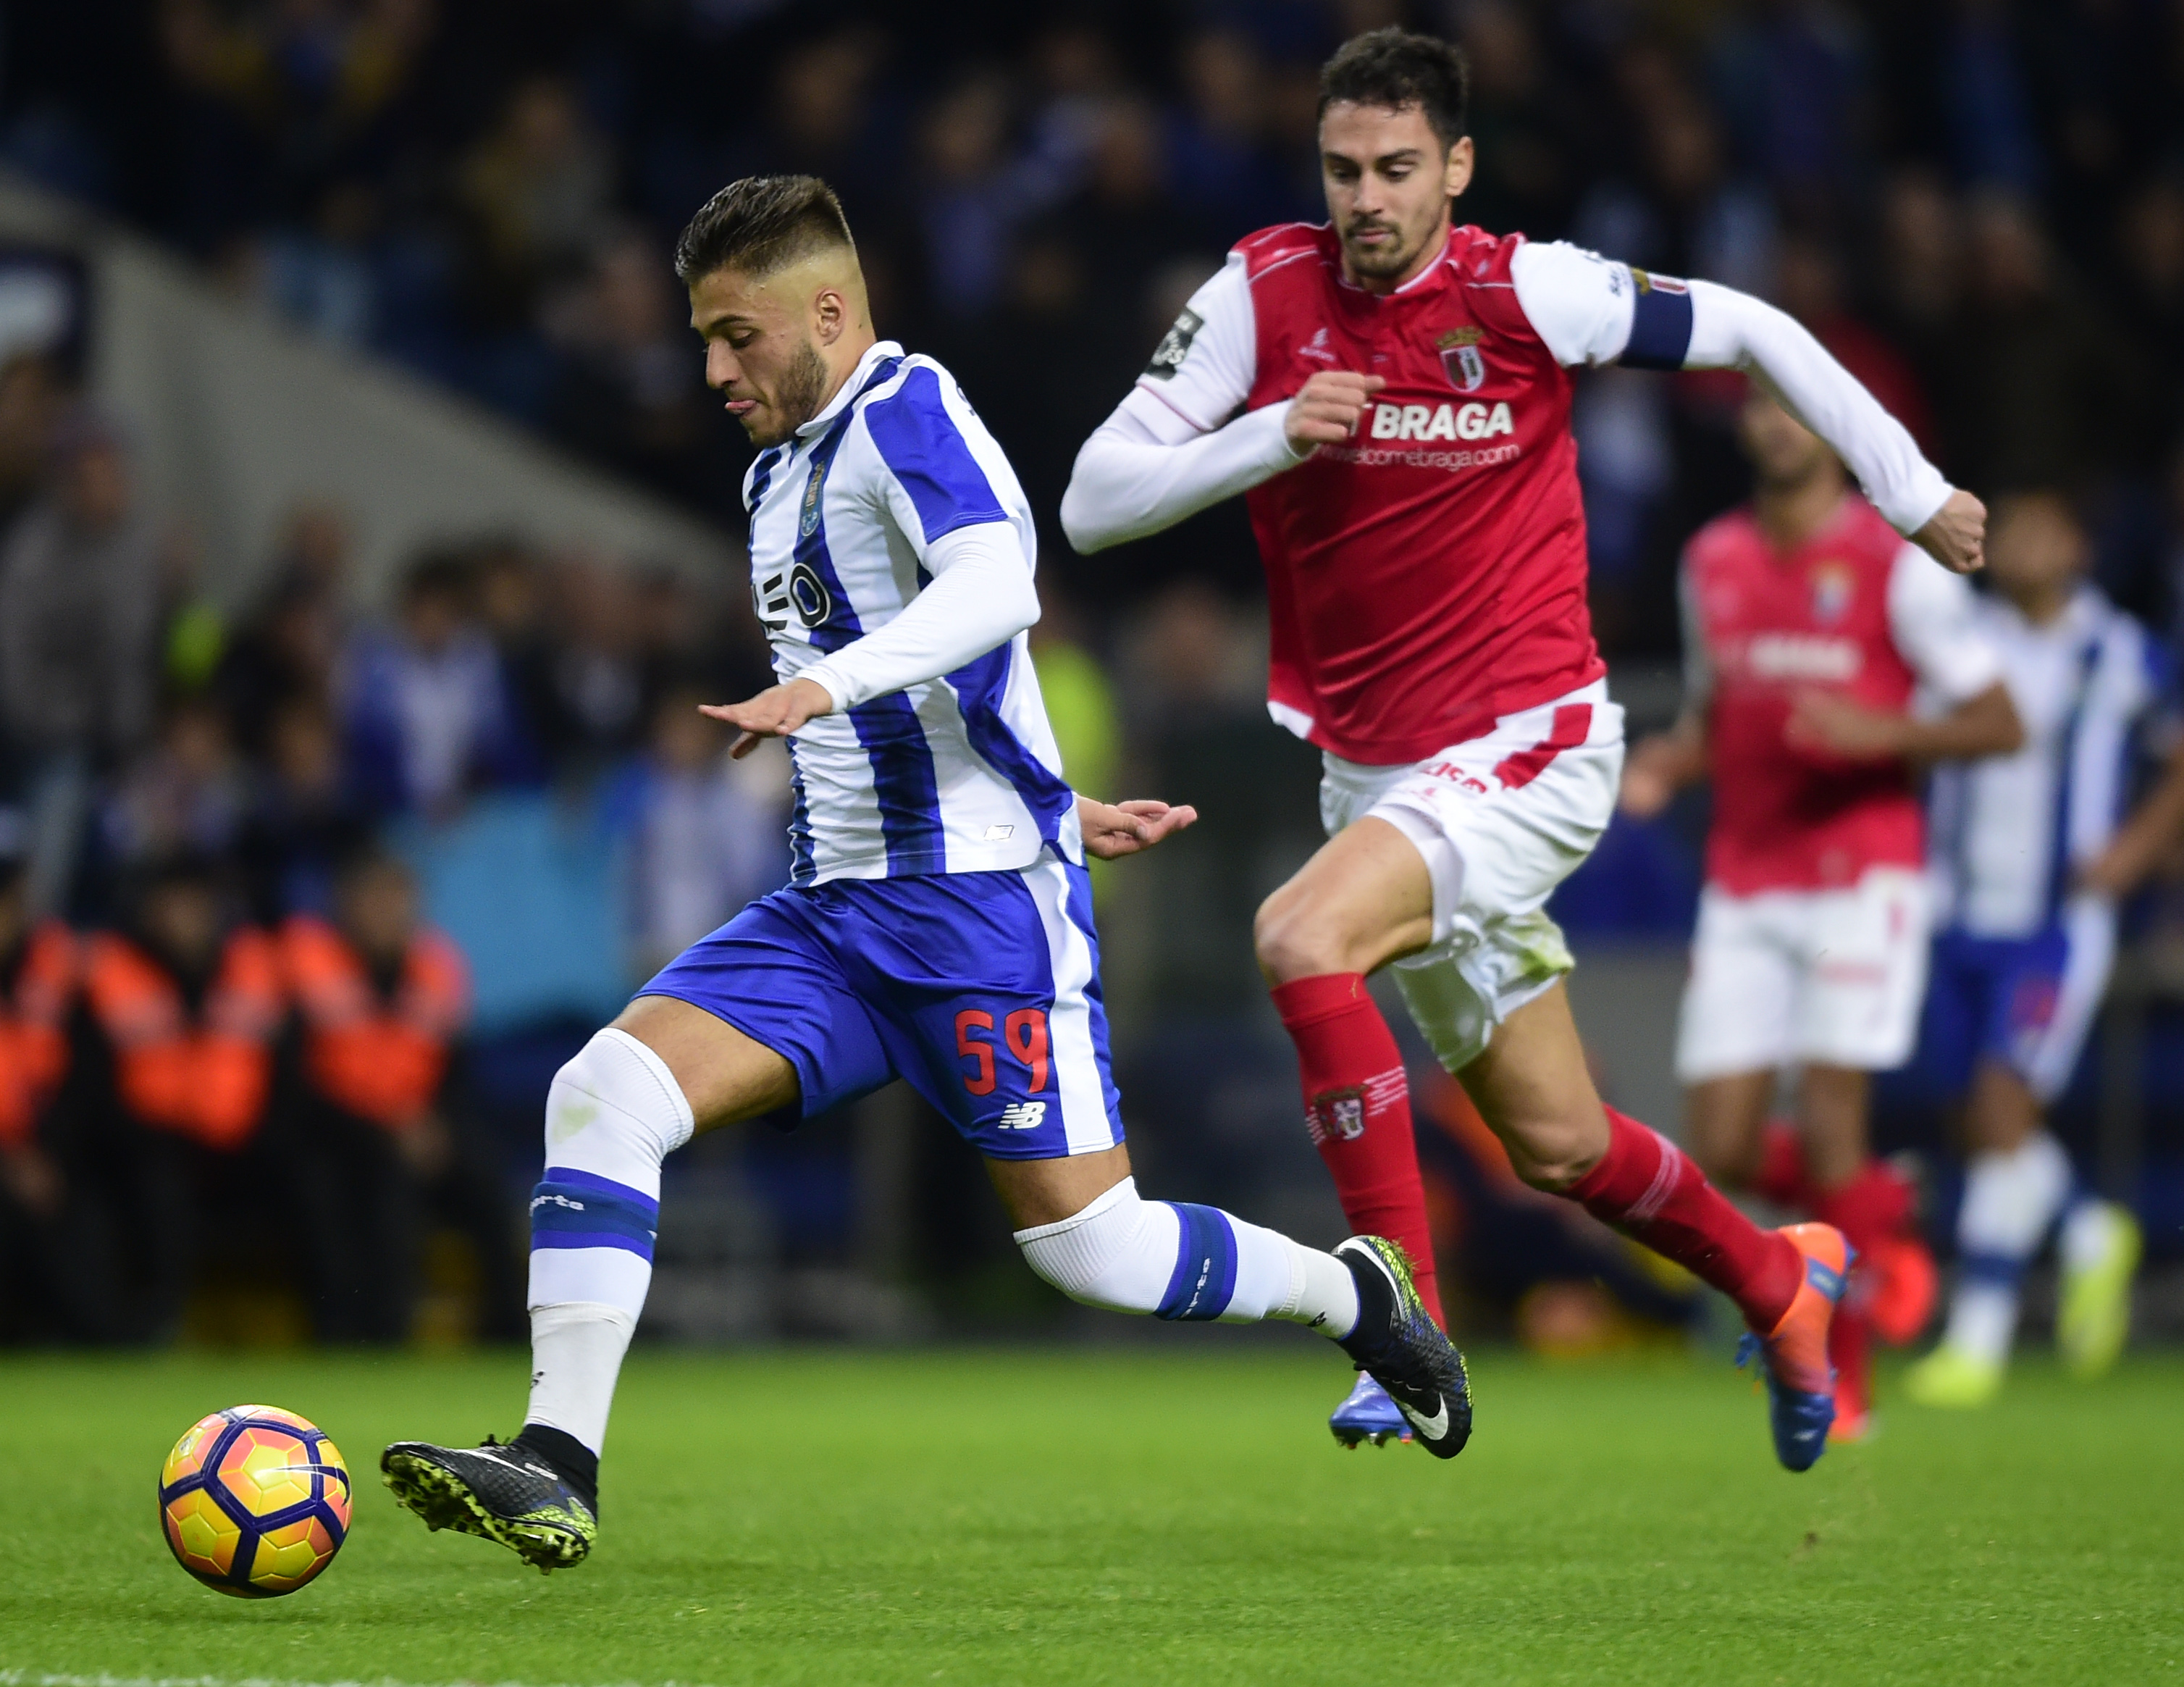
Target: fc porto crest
point(1834, 587)
point(812, 488)
point(1461, 360)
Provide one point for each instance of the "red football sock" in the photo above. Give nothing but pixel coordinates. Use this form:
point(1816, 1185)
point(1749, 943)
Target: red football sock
point(1649, 1189)
point(1874, 1206)
point(1357, 1106)
point(1781, 1177)
point(1850, 1350)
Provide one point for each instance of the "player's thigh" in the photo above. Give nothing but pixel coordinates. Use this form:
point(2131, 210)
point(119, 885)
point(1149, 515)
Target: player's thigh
point(760, 1018)
point(1736, 1018)
point(1953, 1019)
point(2054, 1001)
point(724, 1073)
point(1364, 898)
point(1864, 976)
point(1037, 1192)
point(1498, 832)
point(986, 989)
point(1495, 851)
point(1533, 1090)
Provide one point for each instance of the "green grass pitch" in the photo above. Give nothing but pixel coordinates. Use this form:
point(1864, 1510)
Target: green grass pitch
point(1171, 1513)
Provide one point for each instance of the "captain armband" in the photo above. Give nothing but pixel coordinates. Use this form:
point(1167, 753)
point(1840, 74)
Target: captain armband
point(1660, 322)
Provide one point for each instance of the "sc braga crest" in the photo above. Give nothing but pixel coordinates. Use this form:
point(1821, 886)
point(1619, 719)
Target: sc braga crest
point(1461, 360)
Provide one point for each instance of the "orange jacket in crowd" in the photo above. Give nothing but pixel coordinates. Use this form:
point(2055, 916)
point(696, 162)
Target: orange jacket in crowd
point(34, 1048)
point(380, 1060)
point(207, 1079)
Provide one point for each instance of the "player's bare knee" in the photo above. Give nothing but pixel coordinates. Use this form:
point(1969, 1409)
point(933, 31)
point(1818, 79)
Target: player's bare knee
point(1293, 940)
point(1549, 1155)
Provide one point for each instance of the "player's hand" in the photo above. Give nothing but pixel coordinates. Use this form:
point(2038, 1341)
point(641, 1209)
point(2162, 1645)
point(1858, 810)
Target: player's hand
point(1113, 828)
point(1825, 721)
point(775, 712)
point(2115, 873)
point(425, 1146)
point(1326, 409)
point(30, 1177)
point(1956, 537)
point(1647, 787)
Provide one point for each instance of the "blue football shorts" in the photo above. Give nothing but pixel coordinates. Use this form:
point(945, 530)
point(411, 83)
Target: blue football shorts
point(981, 989)
point(2024, 1003)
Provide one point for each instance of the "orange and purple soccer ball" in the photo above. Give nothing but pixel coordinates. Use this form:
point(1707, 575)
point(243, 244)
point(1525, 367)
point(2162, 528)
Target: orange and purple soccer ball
point(255, 1502)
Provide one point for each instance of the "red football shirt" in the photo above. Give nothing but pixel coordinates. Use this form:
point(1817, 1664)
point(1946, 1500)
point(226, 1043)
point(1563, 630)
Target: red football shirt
point(1429, 575)
point(1769, 626)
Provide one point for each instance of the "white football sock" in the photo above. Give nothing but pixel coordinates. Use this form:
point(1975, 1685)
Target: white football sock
point(2010, 1202)
point(1982, 1319)
point(612, 1114)
point(1177, 1261)
point(2089, 1232)
point(576, 1351)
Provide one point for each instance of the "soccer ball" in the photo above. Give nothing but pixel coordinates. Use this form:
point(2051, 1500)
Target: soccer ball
point(255, 1502)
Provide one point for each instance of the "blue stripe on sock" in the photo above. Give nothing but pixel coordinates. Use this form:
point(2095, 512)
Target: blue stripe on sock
point(571, 1208)
point(1994, 1270)
point(1205, 1279)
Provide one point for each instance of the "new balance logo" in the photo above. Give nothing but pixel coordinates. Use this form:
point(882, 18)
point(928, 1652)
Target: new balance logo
point(1022, 1115)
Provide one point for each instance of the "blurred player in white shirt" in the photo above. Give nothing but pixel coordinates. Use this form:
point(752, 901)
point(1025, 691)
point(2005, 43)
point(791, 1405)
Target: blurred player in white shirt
point(2031, 853)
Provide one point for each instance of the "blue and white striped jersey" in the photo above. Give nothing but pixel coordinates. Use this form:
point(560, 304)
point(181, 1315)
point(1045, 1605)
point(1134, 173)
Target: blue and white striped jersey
point(2007, 833)
point(957, 774)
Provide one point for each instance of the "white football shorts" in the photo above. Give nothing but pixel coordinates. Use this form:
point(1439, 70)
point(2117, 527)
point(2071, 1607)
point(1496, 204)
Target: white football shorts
point(1828, 978)
point(1501, 821)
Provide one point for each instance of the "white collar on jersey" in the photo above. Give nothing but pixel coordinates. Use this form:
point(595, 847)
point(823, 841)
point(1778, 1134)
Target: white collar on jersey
point(850, 387)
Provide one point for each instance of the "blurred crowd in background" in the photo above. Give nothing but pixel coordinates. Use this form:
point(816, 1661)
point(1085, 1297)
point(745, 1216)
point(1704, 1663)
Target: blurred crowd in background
point(1978, 205)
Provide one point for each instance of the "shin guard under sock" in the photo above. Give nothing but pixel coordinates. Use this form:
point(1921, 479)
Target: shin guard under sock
point(1649, 1189)
point(1357, 1107)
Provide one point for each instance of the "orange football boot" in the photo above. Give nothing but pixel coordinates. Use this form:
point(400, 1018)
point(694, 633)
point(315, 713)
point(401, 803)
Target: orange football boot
point(1905, 1285)
point(1801, 1383)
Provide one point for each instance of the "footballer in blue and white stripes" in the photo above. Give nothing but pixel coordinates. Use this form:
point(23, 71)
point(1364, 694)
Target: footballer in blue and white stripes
point(2029, 855)
point(938, 927)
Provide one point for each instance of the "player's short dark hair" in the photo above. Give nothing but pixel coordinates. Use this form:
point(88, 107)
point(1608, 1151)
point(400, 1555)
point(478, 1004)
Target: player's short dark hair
point(760, 224)
point(1393, 68)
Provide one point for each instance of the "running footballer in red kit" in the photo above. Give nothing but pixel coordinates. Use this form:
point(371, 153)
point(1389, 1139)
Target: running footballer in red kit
point(1391, 392)
point(1810, 628)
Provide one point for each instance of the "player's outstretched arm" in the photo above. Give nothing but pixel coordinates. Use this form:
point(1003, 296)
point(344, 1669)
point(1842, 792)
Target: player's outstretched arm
point(1984, 724)
point(774, 713)
point(980, 597)
point(1133, 478)
point(1591, 310)
point(1119, 829)
point(2153, 826)
point(1663, 764)
point(1165, 453)
point(1732, 330)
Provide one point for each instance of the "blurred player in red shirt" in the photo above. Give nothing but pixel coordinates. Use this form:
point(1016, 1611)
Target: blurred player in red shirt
point(1391, 393)
point(1809, 627)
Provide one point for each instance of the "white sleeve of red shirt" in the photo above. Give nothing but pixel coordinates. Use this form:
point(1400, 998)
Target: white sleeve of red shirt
point(1590, 309)
point(1931, 621)
point(1165, 455)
